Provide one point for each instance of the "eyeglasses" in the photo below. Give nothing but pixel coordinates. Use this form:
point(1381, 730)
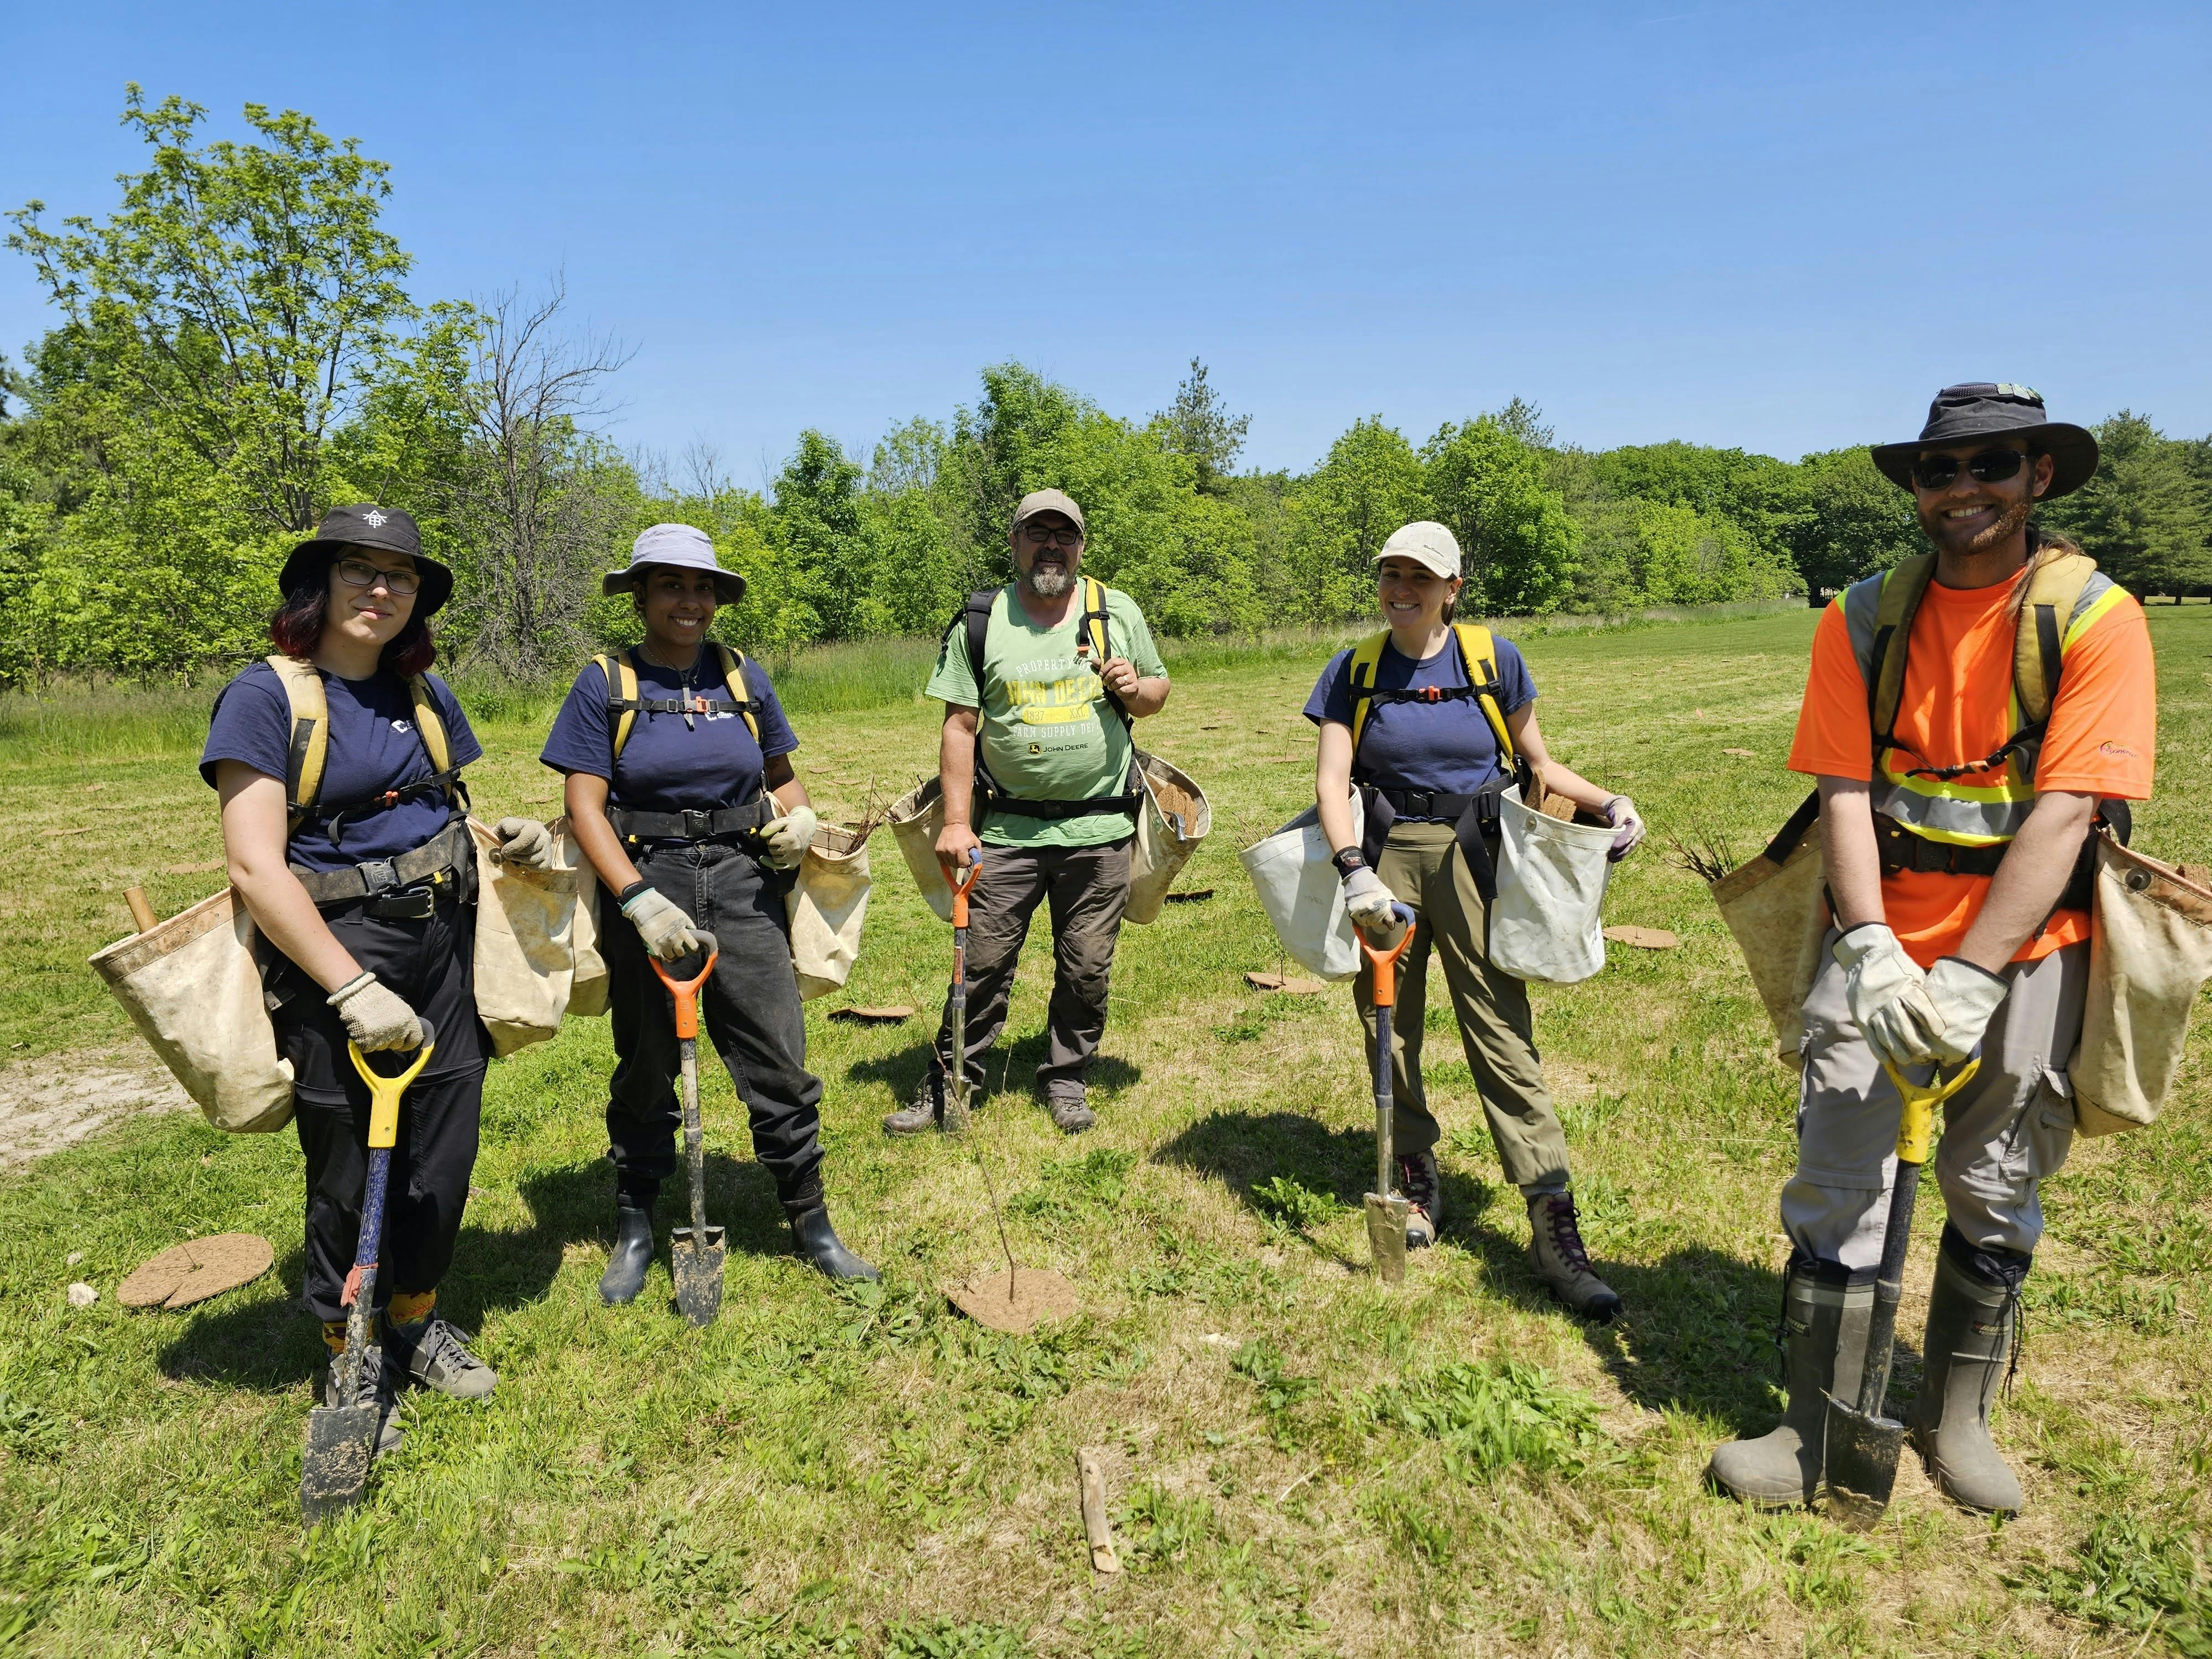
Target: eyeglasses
point(360, 572)
point(1991, 466)
point(1040, 535)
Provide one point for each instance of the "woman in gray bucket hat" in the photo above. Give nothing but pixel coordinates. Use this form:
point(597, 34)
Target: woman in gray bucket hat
point(681, 793)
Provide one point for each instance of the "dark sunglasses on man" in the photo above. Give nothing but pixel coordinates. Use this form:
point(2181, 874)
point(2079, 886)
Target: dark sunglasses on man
point(1991, 466)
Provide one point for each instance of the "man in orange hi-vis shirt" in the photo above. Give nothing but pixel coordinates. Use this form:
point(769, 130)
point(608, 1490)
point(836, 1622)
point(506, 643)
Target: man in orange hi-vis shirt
point(1957, 802)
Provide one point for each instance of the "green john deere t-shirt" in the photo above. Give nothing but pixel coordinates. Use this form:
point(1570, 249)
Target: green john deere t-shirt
point(1048, 732)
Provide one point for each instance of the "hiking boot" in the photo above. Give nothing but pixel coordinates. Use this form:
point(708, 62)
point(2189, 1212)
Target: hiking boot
point(1965, 1358)
point(1070, 1110)
point(927, 1112)
point(379, 1384)
point(816, 1243)
point(1825, 1310)
point(633, 1251)
point(1417, 1180)
point(1556, 1252)
point(433, 1354)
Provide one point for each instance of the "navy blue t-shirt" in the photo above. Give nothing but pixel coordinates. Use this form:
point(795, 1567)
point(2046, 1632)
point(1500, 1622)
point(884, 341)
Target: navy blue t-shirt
point(1445, 746)
point(372, 746)
point(666, 767)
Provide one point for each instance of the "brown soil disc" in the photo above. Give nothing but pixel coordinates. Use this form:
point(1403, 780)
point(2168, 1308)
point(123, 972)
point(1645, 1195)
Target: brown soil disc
point(1039, 1296)
point(1294, 986)
point(193, 1271)
point(1644, 939)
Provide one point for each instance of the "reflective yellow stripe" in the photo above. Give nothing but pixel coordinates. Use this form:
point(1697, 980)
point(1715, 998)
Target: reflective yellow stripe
point(2100, 607)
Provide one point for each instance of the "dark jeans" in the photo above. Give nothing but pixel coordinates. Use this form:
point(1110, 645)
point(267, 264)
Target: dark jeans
point(749, 1009)
point(1087, 889)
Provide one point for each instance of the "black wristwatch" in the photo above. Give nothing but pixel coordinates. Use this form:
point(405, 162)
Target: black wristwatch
point(1346, 861)
point(630, 892)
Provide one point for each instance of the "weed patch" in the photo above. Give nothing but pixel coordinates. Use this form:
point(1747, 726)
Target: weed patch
point(1494, 1415)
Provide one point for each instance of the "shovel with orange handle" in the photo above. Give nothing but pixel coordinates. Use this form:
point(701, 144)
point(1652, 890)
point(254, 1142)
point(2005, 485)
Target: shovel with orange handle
point(956, 1092)
point(1387, 1208)
point(696, 1253)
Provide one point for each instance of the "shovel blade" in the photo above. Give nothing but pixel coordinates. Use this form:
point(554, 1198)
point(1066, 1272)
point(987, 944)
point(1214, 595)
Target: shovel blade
point(1862, 1464)
point(1386, 1235)
point(334, 1473)
point(697, 1265)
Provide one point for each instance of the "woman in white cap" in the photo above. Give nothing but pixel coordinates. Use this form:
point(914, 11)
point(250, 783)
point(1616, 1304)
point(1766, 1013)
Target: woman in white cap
point(1430, 722)
point(338, 762)
point(681, 792)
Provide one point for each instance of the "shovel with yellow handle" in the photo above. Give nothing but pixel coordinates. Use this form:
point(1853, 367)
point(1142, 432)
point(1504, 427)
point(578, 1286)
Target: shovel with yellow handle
point(341, 1432)
point(1862, 1445)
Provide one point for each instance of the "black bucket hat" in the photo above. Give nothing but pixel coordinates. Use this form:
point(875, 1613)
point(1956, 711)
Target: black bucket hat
point(1967, 414)
point(385, 528)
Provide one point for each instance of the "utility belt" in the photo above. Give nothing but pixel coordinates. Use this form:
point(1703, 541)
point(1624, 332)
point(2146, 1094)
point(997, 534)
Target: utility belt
point(1901, 849)
point(1470, 815)
point(742, 823)
point(1130, 802)
point(406, 888)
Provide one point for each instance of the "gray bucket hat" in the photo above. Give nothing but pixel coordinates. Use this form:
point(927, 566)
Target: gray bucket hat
point(680, 547)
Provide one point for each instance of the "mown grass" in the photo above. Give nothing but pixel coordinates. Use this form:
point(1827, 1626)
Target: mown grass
point(1299, 1461)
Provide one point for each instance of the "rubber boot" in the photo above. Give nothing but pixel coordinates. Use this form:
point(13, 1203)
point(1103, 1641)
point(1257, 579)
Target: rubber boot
point(1825, 1310)
point(1556, 1253)
point(633, 1251)
point(1971, 1315)
point(816, 1242)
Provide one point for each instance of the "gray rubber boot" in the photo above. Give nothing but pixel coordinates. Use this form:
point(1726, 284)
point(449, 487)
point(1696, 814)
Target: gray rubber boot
point(1824, 1336)
point(1965, 1358)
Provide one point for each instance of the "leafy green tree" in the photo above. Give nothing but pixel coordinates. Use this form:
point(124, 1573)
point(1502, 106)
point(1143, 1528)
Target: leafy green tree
point(1201, 429)
point(1371, 483)
point(1852, 521)
point(2143, 516)
point(1519, 545)
point(816, 518)
point(1682, 556)
point(1757, 492)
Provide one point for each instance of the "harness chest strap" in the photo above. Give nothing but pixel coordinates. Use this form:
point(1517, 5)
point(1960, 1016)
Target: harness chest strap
point(625, 705)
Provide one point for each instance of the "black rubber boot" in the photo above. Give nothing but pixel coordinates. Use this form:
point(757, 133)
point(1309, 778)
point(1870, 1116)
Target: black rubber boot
point(633, 1251)
point(816, 1242)
point(1825, 1315)
point(1972, 1312)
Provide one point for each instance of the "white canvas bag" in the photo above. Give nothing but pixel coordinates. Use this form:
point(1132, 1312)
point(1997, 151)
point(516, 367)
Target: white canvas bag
point(828, 906)
point(1552, 876)
point(1303, 896)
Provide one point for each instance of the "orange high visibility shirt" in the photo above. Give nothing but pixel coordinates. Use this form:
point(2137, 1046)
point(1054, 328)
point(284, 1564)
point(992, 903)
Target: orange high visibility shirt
point(1957, 708)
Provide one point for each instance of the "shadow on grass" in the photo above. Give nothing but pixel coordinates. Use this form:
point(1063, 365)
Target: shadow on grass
point(1009, 1069)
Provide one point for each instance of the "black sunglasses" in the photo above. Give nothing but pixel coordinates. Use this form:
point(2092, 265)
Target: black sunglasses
point(1991, 466)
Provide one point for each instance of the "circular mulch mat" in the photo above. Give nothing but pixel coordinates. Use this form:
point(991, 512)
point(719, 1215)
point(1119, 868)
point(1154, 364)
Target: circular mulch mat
point(1038, 1295)
point(193, 1271)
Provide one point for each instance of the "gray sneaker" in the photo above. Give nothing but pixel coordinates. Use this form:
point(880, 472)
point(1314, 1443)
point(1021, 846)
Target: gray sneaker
point(1070, 1110)
point(434, 1355)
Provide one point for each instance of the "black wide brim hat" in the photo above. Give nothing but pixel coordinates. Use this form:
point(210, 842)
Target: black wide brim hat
point(385, 529)
point(1969, 414)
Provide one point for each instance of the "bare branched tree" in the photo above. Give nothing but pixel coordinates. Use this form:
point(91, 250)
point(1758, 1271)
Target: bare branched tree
point(541, 504)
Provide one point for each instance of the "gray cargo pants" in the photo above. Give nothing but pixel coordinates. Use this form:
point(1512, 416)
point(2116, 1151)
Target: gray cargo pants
point(1087, 888)
point(2010, 1127)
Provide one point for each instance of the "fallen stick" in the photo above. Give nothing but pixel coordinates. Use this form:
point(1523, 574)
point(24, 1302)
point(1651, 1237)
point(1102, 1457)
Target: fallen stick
point(1093, 1486)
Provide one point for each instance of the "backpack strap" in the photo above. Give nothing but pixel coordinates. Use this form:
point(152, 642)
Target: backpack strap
point(429, 724)
point(1366, 658)
point(1481, 651)
point(733, 671)
point(622, 695)
point(1093, 639)
point(1901, 593)
point(310, 737)
point(2047, 620)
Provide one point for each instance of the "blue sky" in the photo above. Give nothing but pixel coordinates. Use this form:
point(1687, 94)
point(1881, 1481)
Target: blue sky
point(1773, 225)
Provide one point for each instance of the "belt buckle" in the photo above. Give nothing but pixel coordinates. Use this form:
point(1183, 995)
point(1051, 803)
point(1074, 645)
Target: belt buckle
point(1421, 803)
point(379, 877)
point(697, 826)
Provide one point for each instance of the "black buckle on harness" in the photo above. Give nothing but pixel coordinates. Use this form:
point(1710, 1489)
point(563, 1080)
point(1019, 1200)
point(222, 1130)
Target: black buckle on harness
point(1418, 803)
point(697, 826)
point(417, 904)
point(379, 878)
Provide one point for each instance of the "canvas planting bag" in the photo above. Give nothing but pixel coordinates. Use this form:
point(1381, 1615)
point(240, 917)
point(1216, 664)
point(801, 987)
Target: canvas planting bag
point(827, 906)
point(1552, 876)
point(2150, 952)
point(1174, 819)
point(1303, 895)
point(525, 954)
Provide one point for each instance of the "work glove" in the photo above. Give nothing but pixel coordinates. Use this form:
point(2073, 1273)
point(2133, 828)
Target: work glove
point(788, 837)
point(1965, 997)
point(1887, 995)
point(375, 1016)
point(661, 923)
point(1370, 906)
point(524, 842)
point(1620, 812)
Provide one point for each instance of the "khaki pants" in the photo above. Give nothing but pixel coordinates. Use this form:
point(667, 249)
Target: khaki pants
point(2010, 1128)
point(1422, 865)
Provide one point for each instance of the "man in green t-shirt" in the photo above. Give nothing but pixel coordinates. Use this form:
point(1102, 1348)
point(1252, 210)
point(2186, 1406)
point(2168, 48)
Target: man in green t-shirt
point(1059, 687)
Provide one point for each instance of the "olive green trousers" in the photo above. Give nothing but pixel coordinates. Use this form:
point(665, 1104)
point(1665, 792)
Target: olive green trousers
point(1421, 864)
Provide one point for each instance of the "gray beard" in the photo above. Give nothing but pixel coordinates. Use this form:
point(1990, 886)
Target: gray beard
point(1049, 584)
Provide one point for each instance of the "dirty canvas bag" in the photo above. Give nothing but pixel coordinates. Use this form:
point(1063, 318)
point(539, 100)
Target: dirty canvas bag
point(1303, 896)
point(588, 983)
point(828, 905)
point(1776, 906)
point(2150, 952)
point(1552, 876)
point(525, 957)
point(192, 987)
point(1174, 820)
point(915, 818)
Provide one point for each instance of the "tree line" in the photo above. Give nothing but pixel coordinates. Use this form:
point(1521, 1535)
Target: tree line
point(236, 348)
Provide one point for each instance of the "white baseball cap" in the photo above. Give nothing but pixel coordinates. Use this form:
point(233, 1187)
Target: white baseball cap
point(1426, 542)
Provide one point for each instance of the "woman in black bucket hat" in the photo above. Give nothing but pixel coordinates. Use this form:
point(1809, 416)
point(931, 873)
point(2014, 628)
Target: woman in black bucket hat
point(337, 760)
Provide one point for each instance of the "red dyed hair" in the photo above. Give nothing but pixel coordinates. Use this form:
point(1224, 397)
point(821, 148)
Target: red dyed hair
point(297, 628)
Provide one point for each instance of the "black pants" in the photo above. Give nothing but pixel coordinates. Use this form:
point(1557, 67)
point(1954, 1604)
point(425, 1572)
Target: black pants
point(1087, 889)
point(430, 963)
point(749, 1008)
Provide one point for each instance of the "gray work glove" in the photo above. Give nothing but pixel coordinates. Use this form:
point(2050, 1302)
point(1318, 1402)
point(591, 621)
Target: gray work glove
point(661, 923)
point(524, 842)
point(375, 1016)
point(1369, 902)
point(1966, 998)
point(1887, 995)
point(788, 837)
point(1620, 812)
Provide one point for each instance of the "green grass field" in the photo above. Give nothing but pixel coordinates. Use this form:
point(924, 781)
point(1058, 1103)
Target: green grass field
point(1298, 1461)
